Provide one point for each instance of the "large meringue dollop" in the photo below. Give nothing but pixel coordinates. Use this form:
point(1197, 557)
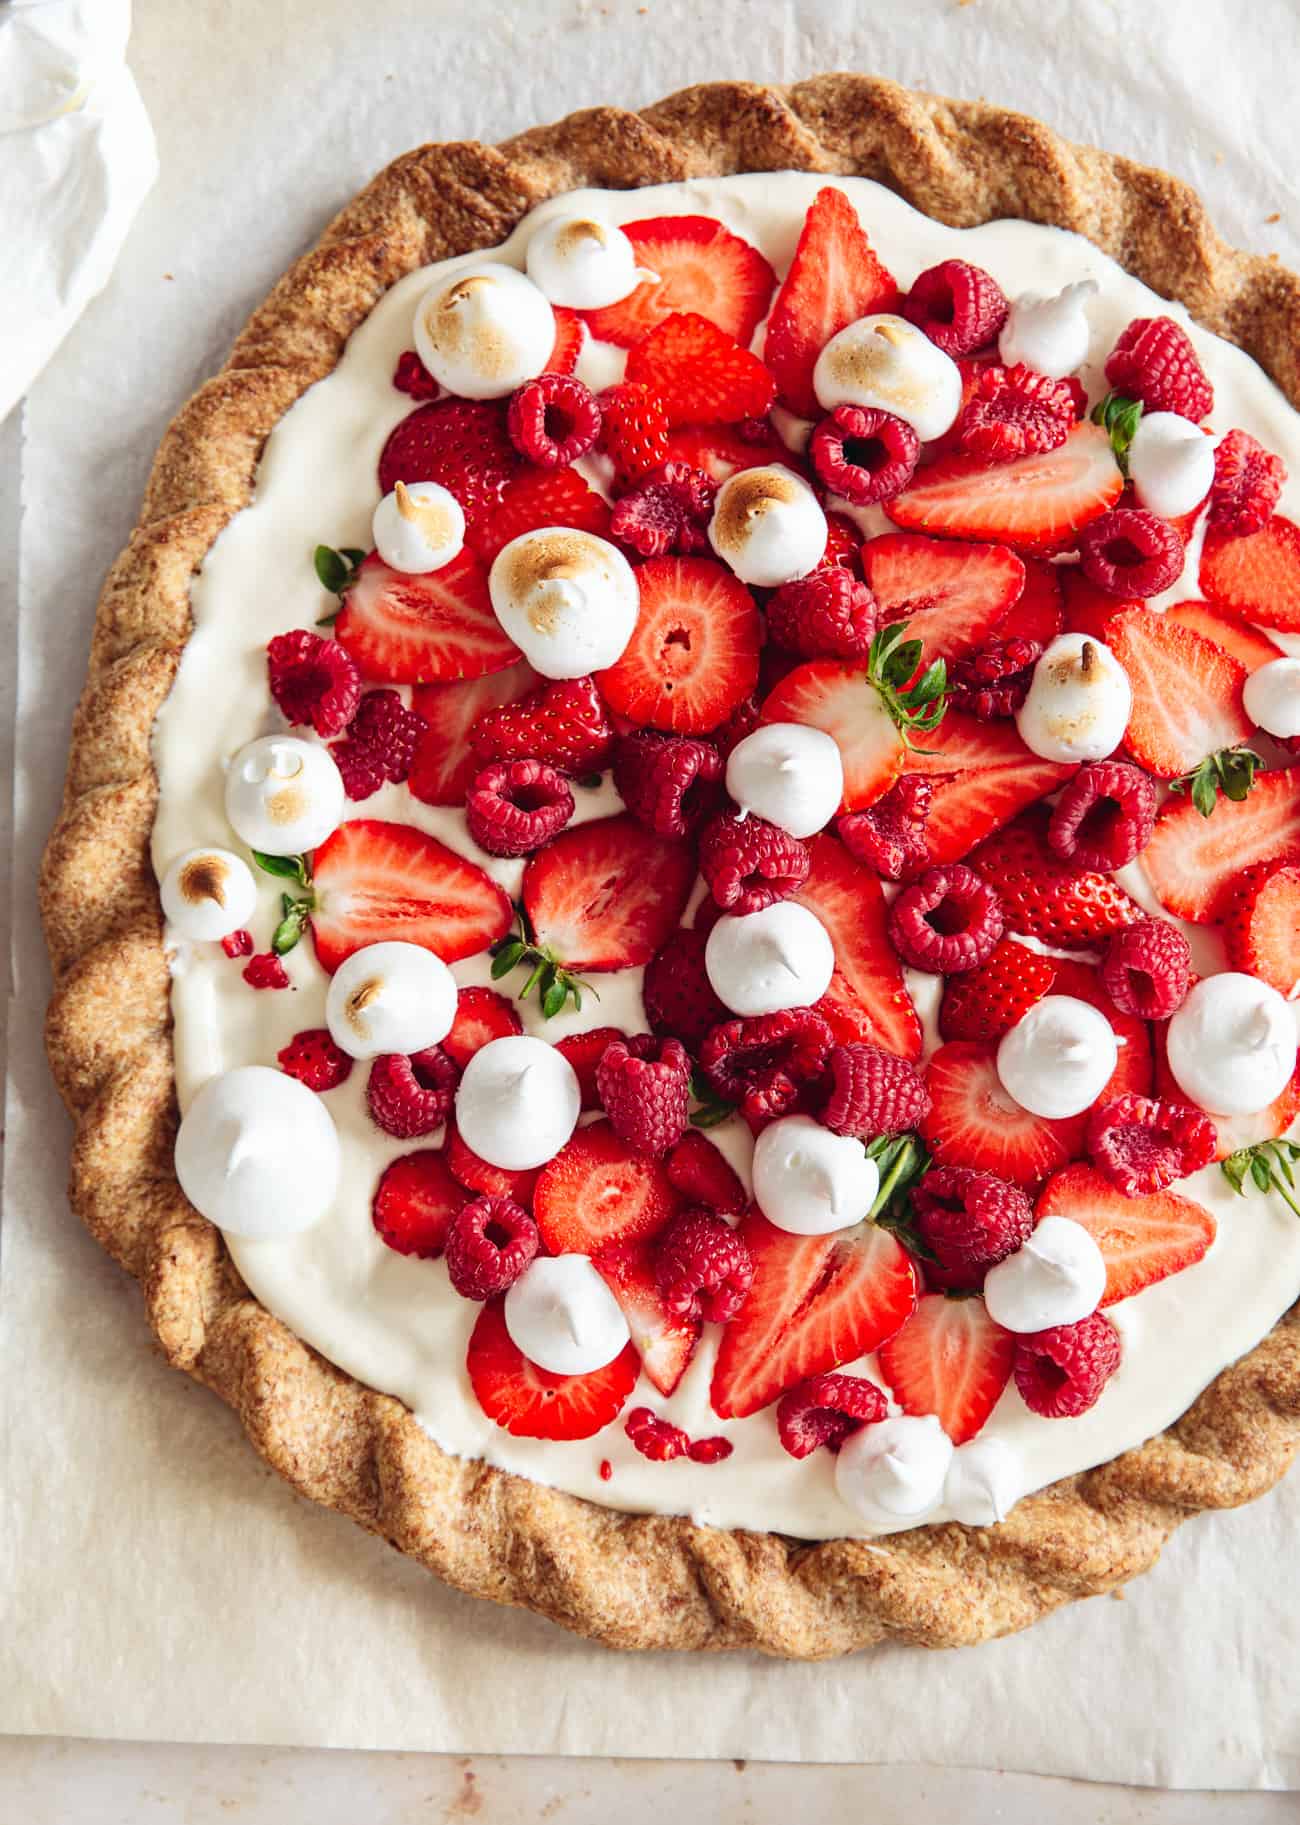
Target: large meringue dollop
point(789, 774)
point(1048, 333)
point(1056, 1276)
point(284, 795)
point(517, 1102)
point(581, 263)
point(207, 893)
point(484, 330)
point(809, 1181)
point(889, 365)
point(759, 963)
point(563, 1317)
point(1171, 463)
point(1232, 1044)
point(390, 997)
point(1079, 701)
point(568, 600)
point(892, 1473)
point(258, 1155)
point(1058, 1058)
point(768, 526)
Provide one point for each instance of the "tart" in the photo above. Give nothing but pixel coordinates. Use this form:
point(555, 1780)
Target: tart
point(703, 764)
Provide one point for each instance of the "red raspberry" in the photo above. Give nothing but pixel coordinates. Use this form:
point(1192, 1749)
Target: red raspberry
point(668, 783)
point(584, 1052)
point(1061, 1372)
point(679, 998)
point(1015, 412)
point(313, 680)
point(515, 806)
point(265, 971)
point(767, 1065)
point(960, 307)
point(238, 944)
point(947, 921)
point(702, 1268)
point(995, 681)
point(863, 455)
point(749, 863)
point(698, 1171)
point(1129, 553)
point(970, 1219)
point(553, 420)
point(709, 1450)
point(461, 443)
point(1142, 1146)
point(826, 1410)
point(872, 1093)
point(644, 1087)
point(668, 509)
point(380, 746)
point(412, 377)
point(890, 835)
point(633, 429)
point(315, 1060)
point(489, 1244)
point(1247, 482)
point(830, 614)
point(654, 1437)
point(411, 1096)
point(1147, 969)
point(1104, 817)
point(1154, 361)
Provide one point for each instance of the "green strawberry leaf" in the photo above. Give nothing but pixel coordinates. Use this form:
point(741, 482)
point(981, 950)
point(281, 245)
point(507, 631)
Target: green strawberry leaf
point(1231, 772)
point(285, 867)
point(336, 571)
point(1268, 1165)
point(1119, 417)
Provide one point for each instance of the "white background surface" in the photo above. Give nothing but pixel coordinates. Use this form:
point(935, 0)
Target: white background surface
point(1086, 69)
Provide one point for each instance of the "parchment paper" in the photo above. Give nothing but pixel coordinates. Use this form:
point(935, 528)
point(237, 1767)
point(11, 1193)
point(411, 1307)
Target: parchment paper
point(157, 1581)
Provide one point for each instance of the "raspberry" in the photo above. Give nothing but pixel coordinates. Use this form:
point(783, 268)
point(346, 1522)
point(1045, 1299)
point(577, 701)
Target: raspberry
point(970, 1219)
point(864, 455)
point(238, 944)
point(830, 614)
point(826, 1410)
point(890, 835)
point(380, 746)
point(960, 307)
point(872, 1093)
point(668, 509)
point(1129, 553)
point(947, 921)
point(1061, 1372)
point(668, 783)
point(709, 1450)
point(313, 680)
point(513, 807)
point(553, 420)
point(412, 377)
point(633, 429)
point(1154, 361)
point(1015, 412)
point(265, 971)
point(1247, 482)
point(1147, 969)
point(767, 1065)
point(703, 1268)
point(1104, 817)
point(749, 863)
point(315, 1060)
point(700, 1174)
point(679, 999)
point(995, 681)
point(411, 1096)
point(584, 1052)
point(1142, 1145)
point(644, 1088)
point(654, 1437)
point(489, 1244)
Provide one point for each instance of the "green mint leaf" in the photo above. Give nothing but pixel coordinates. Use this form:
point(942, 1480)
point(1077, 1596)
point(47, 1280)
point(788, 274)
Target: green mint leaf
point(285, 867)
point(504, 961)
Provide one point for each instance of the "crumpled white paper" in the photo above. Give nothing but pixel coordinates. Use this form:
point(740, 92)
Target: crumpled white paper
point(77, 158)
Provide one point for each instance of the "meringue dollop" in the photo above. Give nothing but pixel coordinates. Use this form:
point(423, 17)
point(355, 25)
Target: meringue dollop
point(1271, 696)
point(1078, 703)
point(1058, 1058)
point(789, 774)
point(985, 1481)
point(517, 1102)
point(1048, 333)
point(418, 528)
point(390, 997)
point(1056, 1276)
point(207, 893)
point(258, 1155)
point(1171, 463)
point(484, 330)
point(581, 263)
point(563, 1317)
point(768, 526)
point(892, 1473)
point(889, 365)
point(568, 599)
point(284, 795)
point(1232, 1044)
point(810, 1182)
point(760, 963)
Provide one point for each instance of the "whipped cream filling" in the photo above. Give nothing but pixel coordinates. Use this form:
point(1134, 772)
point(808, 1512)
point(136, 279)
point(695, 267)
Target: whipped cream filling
point(395, 1322)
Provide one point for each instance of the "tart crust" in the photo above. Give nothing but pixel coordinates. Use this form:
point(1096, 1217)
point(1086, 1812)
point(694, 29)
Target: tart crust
point(631, 1581)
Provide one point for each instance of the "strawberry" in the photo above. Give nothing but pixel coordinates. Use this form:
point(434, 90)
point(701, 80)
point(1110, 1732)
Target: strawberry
point(973, 1122)
point(949, 1359)
point(461, 443)
point(815, 1302)
point(373, 881)
point(1042, 896)
point(955, 597)
point(1033, 503)
point(719, 450)
point(1040, 612)
point(1089, 610)
point(848, 899)
point(1186, 693)
point(416, 1202)
point(699, 266)
point(481, 1015)
point(702, 1175)
point(405, 629)
point(664, 1341)
point(477, 1175)
point(584, 1052)
point(530, 1403)
point(835, 277)
point(539, 497)
point(633, 430)
point(563, 723)
point(570, 334)
point(1256, 577)
point(1194, 862)
point(702, 374)
point(605, 895)
point(598, 1191)
point(1142, 1239)
point(1262, 926)
point(971, 806)
point(985, 1003)
point(1245, 644)
point(444, 763)
point(693, 655)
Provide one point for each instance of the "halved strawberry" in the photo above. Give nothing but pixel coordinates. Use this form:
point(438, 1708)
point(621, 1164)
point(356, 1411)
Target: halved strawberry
point(1186, 693)
point(1246, 644)
point(605, 895)
point(570, 334)
point(702, 374)
point(563, 722)
point(700, 1174)
point(1142, 1239)
point(973, 1122)
point(477, 1175)
point(462, 443)
point(1040, 612)
point(969, 807)
point(699, 266)
point(848, 899)
point(530, 1403)
point(720, 450)
point(584, 1052)
point(1262, 926)
point(539, 497)
point(664, 1342)
point(1134, 1069)
point(415, 1203)
point(835, 277)
point(815, 1302)
point(1089, 610)
point(1258, 576)
point(984, 1003)
point(693, 655)
point(422, 629)
point(1194, 862)
point(444, 762)
point(949, 1359)
point(1042, 896)
point(375, 881)
point(953, 595)
point(964, 744)
point(841, 700)
point(1033, 503)
point(481, 1015)
point(1233, 1131)
point(598, 1191)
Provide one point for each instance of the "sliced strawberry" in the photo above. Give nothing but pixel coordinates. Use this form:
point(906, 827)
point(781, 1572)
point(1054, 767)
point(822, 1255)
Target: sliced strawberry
point(847, 897)
point(563, 723)
point(1033, 503)
point(969, 807)
point(540, 497)
point(964, 744)
point(374, 881)
point(605, 895)
point(1262, 926)
point(1089, 610)
point(973, 1122)
point(815, 1302)
point(444, 762)
point(423, 629)
point(949, 1359)
point(664, 1342)
point(462, 443)
point(1042, 896)
point(1186, 693)
point(1040, 612)
point(701, 1175)
point(1134, 1069)
point(1258, 576)
point(415, 1203)
point(477, 1175)
point(719, 450)
point(529, 1402)
point(835, 277)
point(1142, 1239)
point(986, 1002)
point(693, 656)
point(570, 334)
point(699, 266)
point(703, 375)
point(841, 700)
point(953, 595)
point(1246, 644)
point(584, 1052)
point(598, 1191)
point(481, 1015)
point(1194, 862)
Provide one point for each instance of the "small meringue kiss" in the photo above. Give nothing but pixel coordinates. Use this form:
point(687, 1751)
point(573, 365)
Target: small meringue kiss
point(390, 997)
point(892, 1473)
point(284, 795)
point(809, 1181)
point(484, 330)
point(1056, 1276)
point(1171, 463)
point(985, 1481)
point(887, 364)
point(1049, 334)
point(563, 1317)
point(768, 526)
point(258, 1155)
point(568, 600)
point(419, 528)
point(759, 963)
point(1232, 1044)
point(1272, 698)
point(581, 263)
point(517, 1102)
point(1078, 703)
point(1058, 1058)
point(789, 774)
point(207, 893)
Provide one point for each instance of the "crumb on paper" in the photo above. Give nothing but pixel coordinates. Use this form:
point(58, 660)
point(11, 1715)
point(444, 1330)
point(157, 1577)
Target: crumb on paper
point(1117, 1595)
point(1218, 158)
point(1275, 217)
point(169, 275)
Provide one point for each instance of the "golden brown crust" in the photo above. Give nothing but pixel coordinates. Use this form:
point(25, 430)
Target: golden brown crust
point(631, 1581)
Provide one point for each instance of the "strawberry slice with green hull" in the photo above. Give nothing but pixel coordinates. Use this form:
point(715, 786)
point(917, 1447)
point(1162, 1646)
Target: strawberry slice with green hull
point(974, 1122)
point(1042, 896)
point(1244, 643)
point(530, 1403)
point(949, 1359)
point(424, 629)
point(1256, 577)
point(664, 1342)
point(1142, 1239)
point(702, 374)
point(699, 266)
point(606, 895)
point(597, 1192)
point(1233, 1131)
point(848, 899)
point(1194, 862)
point(693, 655)
point(1186, 693)
point(444, 762)
point(374, 881)
point(540, 497)
point(816, 1302)
point(954, 596)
